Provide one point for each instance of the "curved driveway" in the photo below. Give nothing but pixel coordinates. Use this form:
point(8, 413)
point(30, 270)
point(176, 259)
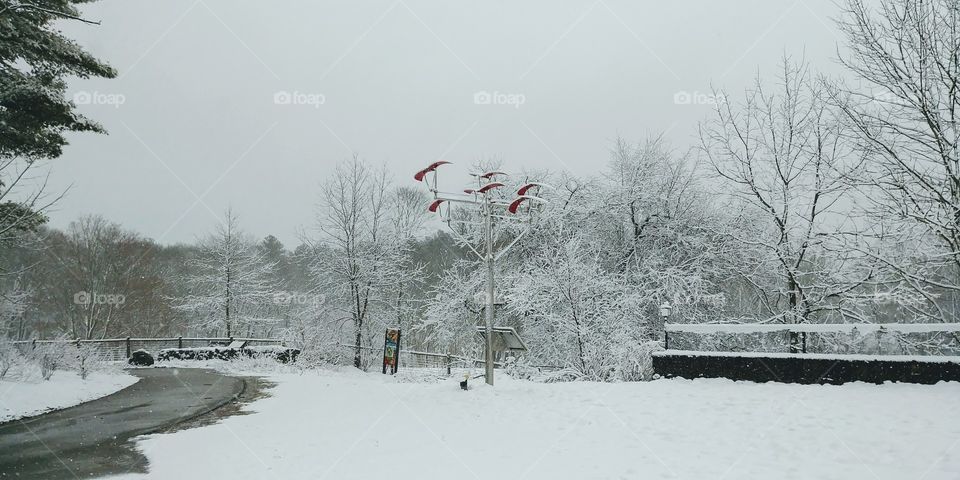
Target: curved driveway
point(92, 439)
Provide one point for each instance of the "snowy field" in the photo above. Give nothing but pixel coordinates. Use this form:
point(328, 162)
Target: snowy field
point(349, 425)
point(20, 399)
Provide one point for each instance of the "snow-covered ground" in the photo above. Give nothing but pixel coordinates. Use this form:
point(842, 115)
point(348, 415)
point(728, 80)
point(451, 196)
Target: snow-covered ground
point(20, 399)
point(346, 425)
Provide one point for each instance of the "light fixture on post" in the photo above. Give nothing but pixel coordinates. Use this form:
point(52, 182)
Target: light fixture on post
point(483, 196)
point(665, 311)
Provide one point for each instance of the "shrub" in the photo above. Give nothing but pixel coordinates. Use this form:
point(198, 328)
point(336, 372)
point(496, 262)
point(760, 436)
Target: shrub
point(50, 356)
point(141, 358)
point(87, 359)
point(280, 354)
point(9, 356)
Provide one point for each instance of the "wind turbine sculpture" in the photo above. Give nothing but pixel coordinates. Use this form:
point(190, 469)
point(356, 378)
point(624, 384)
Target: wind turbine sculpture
point(483, 196)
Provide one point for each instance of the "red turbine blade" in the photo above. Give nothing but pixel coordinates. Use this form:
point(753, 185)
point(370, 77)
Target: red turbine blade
point(490, 174)
point(435, 205)
point(433, 166)
point(486, 188)
point(514, 205)
point(523, 189)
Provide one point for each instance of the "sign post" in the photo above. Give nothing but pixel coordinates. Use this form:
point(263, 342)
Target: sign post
point(391, 350)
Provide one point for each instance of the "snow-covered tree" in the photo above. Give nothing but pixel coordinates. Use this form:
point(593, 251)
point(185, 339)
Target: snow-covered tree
point(230, 288)
point(362, 254)
point(583, 287)
point(784, 158)
point(902, 110)
point(403, 275)
point(14, 300)
point(449, 321)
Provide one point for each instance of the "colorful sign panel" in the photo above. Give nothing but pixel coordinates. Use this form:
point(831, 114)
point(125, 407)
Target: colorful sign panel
point(391, 350)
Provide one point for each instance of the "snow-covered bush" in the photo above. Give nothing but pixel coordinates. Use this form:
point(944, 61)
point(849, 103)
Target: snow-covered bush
point(452, 313)
point(521, 368)
point(87, 359)
point(315, 335)
point(636, 361)
point(48, 357)
point(9, 357)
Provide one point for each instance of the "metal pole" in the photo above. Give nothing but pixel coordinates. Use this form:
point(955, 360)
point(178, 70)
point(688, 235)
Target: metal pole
point(488, 355)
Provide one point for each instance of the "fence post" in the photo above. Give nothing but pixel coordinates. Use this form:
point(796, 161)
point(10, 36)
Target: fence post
point(180, 342)
point(449, 361)
point(128, 347)
point(34, 343)
point(666, 339)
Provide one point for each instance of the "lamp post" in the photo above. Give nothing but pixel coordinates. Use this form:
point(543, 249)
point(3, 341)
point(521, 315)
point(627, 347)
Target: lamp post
point(484, 197)
point(665, 310)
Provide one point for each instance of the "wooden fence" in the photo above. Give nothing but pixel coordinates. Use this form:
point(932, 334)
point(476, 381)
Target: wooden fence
point(119, 349)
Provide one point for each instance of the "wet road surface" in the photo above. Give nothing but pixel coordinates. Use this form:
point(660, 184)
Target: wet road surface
point(93, 439)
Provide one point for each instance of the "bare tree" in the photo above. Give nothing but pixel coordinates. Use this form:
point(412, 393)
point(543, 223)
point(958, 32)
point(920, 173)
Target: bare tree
point(353, 219)
point(407, 216)
point(23, 201)
point(783, 156)
point(903, 110)
point(92, 281)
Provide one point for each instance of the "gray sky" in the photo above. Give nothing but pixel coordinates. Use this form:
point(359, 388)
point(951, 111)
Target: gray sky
point(221, 100)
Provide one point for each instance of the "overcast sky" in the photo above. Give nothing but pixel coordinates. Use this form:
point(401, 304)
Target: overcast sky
point(251, 104)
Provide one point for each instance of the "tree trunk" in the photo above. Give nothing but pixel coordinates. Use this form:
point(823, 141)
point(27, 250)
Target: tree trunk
point(798, 340)
point(356, 351)
point(227, 304)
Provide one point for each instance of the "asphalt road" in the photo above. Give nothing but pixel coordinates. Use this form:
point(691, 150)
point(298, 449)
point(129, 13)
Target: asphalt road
point(93, 439)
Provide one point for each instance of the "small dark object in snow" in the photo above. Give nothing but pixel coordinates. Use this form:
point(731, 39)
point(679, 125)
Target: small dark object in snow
point(141, 358)
point(463, 384)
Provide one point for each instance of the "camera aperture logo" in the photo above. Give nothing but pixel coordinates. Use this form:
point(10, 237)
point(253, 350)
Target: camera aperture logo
point(99, 98)
point(484, 97)
point(87, 299)
point(284, 97)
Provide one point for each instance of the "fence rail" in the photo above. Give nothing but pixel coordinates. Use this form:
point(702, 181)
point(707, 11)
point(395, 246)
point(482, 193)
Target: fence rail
point(119, 349)
point(371, 356)
point(878, 330)
point(811, 327)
